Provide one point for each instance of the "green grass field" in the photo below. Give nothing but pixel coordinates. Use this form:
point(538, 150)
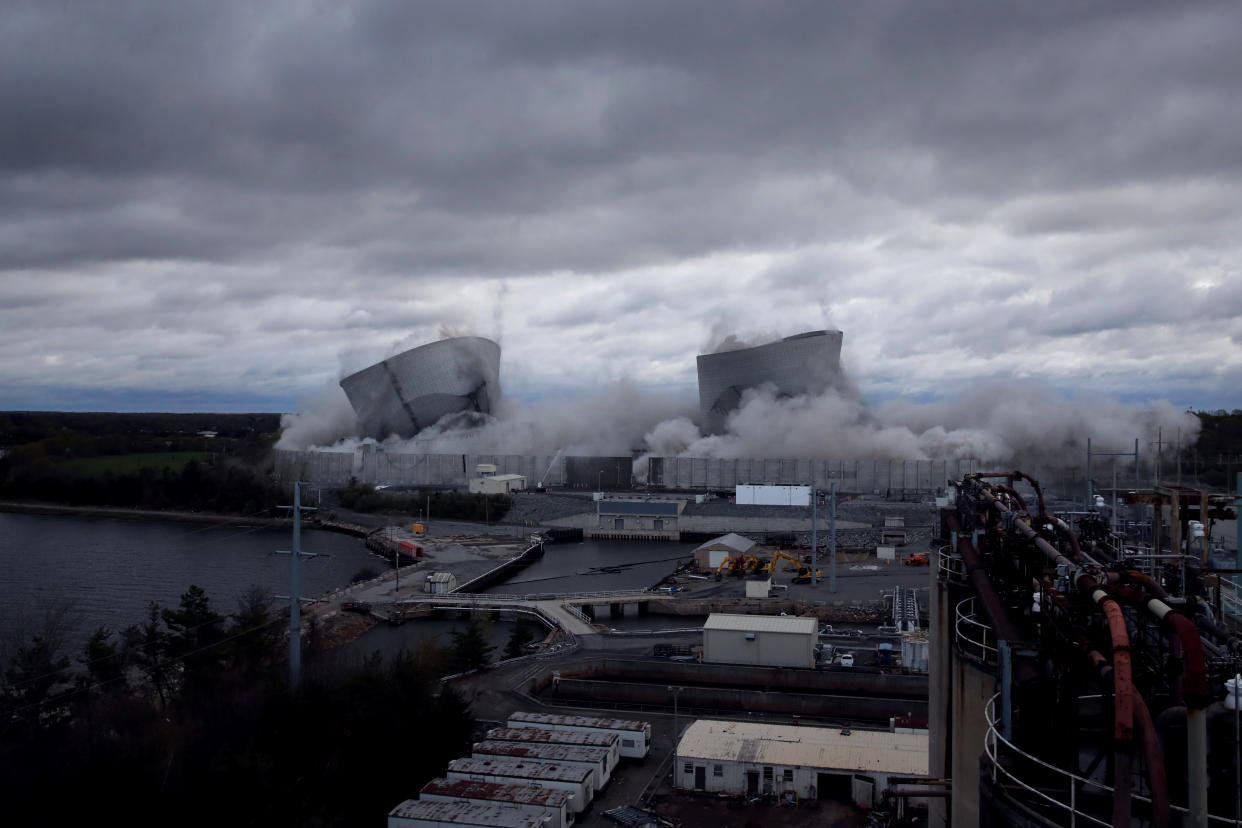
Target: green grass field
point(130, 463)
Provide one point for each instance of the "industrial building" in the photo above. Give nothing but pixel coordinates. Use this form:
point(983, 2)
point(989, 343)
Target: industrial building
point(610, 742)
point(575, 780)
point(710, 555)
point(488, 482)
point(635, 735)
point(543, 802)
point(760, 640)
point(406, 393)
point(636, 519)
point(762, 494)
point(1081, 675)
point(796, 762)
point(805, 363)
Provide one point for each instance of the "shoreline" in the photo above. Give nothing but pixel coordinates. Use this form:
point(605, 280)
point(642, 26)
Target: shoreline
point(39, 508)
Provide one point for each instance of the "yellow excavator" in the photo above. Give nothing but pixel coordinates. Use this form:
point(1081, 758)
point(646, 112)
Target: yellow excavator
point(738, 566)
point(803, 575)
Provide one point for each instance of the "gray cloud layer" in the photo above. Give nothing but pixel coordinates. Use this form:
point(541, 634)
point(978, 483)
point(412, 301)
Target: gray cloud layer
point(231, 197)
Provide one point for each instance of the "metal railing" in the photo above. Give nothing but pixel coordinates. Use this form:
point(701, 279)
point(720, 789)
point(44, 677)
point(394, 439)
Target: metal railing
point(1230, 598)
point(1057, 791)
point(974, 638)
point(949, 564)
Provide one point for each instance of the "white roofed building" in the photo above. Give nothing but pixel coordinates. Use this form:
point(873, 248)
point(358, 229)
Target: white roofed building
point(710, 554)
point(802, 762)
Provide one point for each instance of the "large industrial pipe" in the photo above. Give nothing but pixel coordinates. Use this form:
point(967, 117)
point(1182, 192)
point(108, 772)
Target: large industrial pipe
point(1123, 702)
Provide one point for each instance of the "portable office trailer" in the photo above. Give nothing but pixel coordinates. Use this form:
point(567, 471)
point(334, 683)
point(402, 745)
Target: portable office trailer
point(573, 779)
point(528, 798)
point(415, 814)
point(589, 757)
point(635, 735)
point(581, 738)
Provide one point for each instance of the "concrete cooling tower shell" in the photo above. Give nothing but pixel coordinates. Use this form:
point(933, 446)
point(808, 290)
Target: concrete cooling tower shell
point(805, 363)
point(408, 392)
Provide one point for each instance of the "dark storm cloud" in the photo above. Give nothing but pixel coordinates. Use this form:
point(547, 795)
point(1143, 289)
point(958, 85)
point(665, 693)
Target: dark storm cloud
point(594, 128)
point(191, 191)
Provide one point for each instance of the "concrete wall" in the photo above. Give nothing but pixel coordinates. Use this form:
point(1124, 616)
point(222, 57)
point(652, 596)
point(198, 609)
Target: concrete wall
point(376, 466)
point(763, 648)
point(781, 704)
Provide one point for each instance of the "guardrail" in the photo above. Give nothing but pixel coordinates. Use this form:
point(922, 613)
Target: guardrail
point(1056, 790)
point(949, 564)
point(974, 638)
point(1230, 598)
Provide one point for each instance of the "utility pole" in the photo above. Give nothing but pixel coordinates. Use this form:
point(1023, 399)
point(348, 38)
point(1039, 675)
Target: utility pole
point(814, 532)
point(832, 537)
point(295, 586)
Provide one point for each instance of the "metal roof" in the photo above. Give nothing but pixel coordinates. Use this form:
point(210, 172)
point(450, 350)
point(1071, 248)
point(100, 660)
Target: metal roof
point(498, 791)
point(732, 541)
point(577, 721)
point(560, 753)
point(468, 813)
point(668, 508)
point(516, 768)
point(762, 623)
point(602, 738)
point(821, 748)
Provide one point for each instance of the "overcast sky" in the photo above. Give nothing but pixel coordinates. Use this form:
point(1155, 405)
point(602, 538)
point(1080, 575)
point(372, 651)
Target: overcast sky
point(223, 206)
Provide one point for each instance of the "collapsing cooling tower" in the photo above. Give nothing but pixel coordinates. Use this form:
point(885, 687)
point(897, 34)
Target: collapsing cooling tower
point(408, 392)
point(805, 363)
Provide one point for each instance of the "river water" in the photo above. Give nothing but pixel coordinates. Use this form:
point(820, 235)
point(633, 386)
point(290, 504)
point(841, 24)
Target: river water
point(108, 570)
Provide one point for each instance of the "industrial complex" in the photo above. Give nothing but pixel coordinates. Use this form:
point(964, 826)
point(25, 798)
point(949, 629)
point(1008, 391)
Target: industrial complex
point(1008, 648)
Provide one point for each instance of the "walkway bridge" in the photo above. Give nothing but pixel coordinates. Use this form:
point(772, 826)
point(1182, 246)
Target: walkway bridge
point(571, 611)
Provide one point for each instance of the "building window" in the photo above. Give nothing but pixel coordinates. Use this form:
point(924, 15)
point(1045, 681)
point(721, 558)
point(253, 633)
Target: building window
point(787, 776)
point(659, 525)
point(627, 743)
point(767, 774)
point(618, 523)
point(688, 767)
point(717, 770)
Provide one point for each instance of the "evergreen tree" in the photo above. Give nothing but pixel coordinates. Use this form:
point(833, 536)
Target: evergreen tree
point(470, 648)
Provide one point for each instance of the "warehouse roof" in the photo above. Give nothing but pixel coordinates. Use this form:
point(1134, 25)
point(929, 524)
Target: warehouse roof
point(732, 541)
point(669, 508)
point(808, 747)
point(761, 623)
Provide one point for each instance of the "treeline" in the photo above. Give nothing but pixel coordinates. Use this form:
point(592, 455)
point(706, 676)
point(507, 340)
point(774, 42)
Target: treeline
point(141, 461)
point(215, 485)
point(444, 505)
point(1216, 457)
point(17, 427)
point(186, 717)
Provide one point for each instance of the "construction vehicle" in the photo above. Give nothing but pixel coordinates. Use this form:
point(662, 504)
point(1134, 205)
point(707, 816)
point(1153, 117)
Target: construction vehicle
point(917, 559)
point(770, 566)
point(804, 575)
point(737, 566)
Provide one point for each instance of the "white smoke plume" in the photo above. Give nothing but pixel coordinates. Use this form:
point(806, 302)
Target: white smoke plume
point(325, 419)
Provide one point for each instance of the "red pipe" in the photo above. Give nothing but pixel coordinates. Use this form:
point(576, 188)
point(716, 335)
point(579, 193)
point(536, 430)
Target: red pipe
point(1155, 763)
